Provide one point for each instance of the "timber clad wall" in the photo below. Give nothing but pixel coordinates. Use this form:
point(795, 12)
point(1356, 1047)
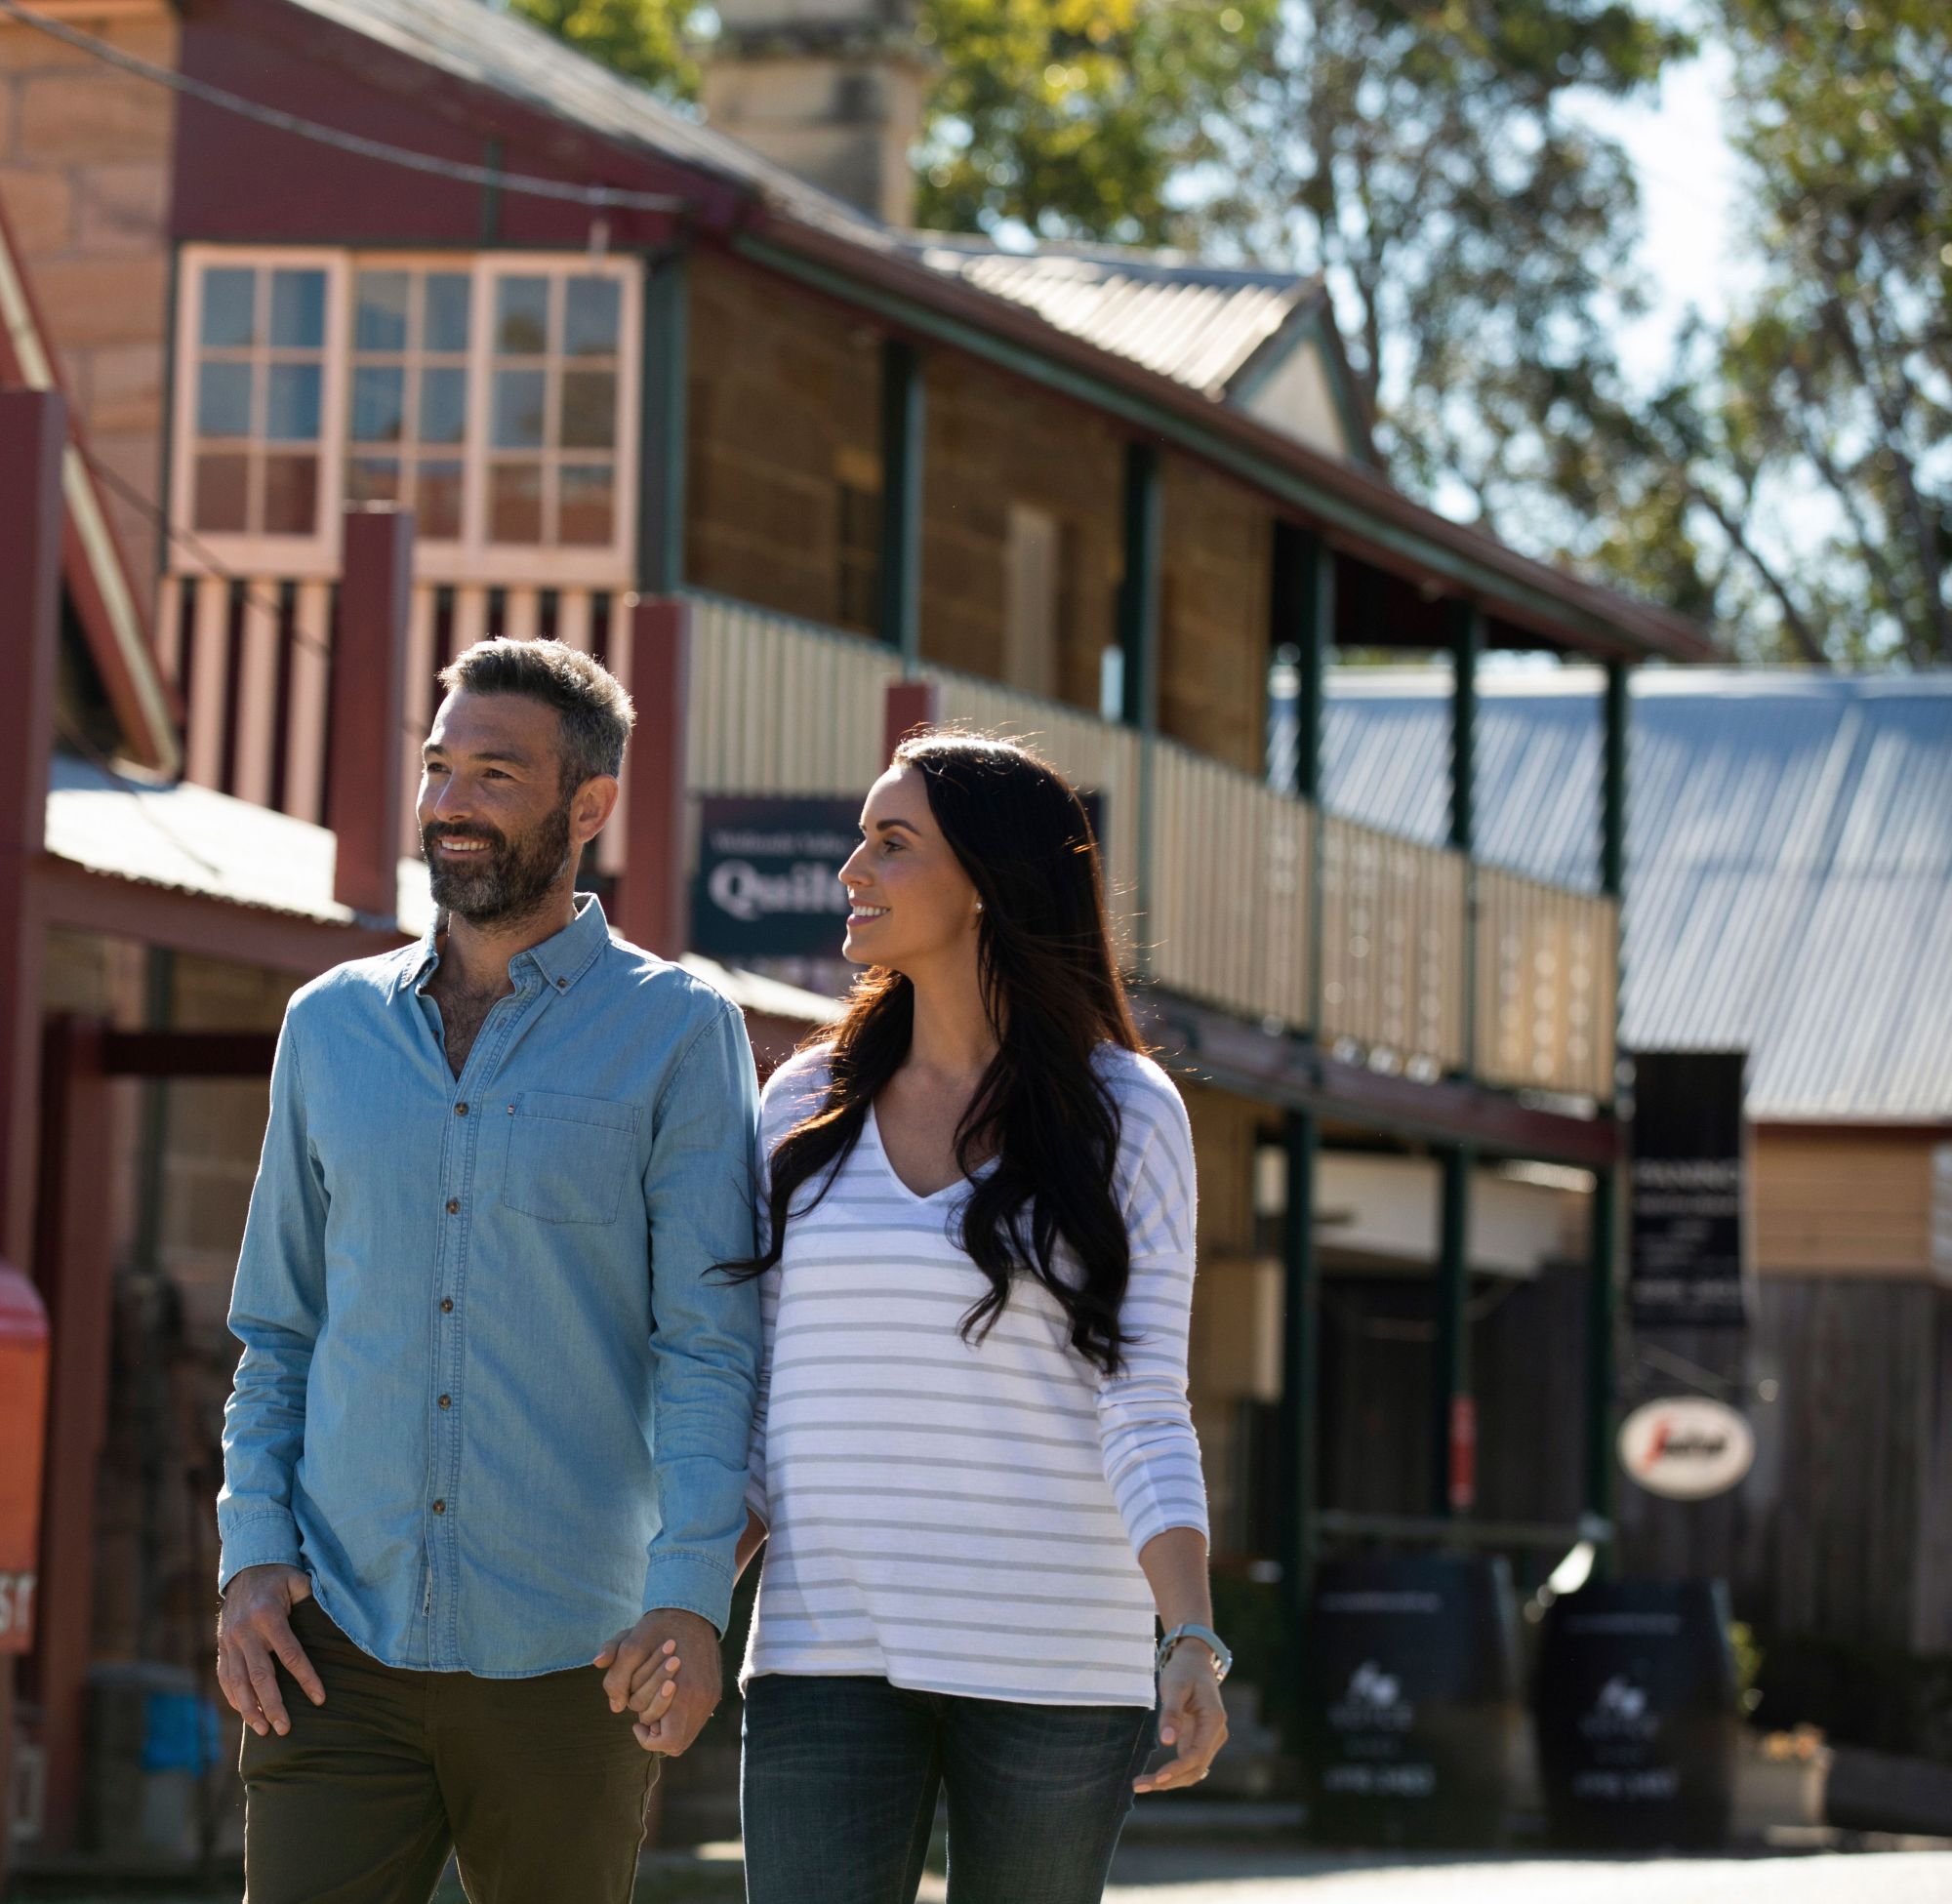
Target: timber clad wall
point(1834, 1204)
point(785, 402)
point(85, 185)
point(991, 442)
point(1845, 1524)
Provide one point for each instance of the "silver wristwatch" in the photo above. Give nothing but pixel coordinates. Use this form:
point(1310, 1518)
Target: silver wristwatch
point(1223, 1659)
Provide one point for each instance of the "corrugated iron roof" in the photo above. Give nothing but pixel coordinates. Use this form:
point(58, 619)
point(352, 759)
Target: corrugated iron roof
point(1198, 324)
point(1789, 855)
point(188, 838)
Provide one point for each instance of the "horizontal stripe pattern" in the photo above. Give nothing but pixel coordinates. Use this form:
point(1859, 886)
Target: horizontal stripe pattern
point(965, 1518)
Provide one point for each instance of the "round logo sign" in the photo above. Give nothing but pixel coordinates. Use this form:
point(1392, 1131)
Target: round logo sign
point(1686, 1447)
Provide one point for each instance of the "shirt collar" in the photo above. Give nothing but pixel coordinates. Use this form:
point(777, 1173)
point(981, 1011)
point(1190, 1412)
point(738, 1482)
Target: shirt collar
point(561, 961)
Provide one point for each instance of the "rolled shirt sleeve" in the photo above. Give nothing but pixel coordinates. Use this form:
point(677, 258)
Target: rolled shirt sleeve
point(698, 1194)
point(277, 1307)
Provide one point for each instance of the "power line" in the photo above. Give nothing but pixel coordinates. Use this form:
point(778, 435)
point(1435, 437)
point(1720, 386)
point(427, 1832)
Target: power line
point(598, 197)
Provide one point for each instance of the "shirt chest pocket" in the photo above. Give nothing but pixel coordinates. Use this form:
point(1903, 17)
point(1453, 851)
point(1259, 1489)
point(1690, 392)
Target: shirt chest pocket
point(569, 1157)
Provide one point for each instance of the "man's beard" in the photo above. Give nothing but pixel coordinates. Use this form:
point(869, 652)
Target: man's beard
point(505, 882)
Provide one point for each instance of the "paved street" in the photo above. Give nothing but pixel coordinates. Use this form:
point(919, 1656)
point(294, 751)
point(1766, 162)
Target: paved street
point(1215, 1875)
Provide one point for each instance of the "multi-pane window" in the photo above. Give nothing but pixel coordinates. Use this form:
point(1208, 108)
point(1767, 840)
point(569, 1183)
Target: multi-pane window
point(494, 396)
point(553, 409)
point(259, 401)
point(407, 430)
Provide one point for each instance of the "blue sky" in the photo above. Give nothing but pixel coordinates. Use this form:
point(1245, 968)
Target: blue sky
point(1692, 247)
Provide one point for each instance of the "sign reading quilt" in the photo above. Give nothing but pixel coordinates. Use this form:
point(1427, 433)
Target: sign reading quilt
point(1688, 1249)
point(768, 881)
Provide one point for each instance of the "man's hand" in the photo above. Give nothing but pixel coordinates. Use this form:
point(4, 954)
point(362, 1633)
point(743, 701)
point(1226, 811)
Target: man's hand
point(1191, 1718)
point(664, 1670)
point(254, 1628)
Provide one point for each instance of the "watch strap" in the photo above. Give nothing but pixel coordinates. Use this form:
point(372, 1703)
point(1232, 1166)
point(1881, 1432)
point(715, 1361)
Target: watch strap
point(1223, 1658)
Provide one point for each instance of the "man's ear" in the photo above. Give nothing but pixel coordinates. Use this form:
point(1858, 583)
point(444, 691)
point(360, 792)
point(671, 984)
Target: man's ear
point(591, 810)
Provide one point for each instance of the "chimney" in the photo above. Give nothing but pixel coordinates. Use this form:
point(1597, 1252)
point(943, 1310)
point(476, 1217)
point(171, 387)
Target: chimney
point(830, 88)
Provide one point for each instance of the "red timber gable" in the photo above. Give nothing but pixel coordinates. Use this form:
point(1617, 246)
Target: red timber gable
point(95, 576)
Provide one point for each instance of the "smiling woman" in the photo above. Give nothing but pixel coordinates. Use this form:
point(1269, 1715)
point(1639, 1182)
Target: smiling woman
point(975, 1472)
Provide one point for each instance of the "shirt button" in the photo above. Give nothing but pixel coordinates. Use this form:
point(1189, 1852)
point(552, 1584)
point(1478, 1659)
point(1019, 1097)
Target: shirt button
point(447, 1401)
point(441, 1507)
point(454, 1206)
point(447, 1305)
point(562, 985)
point(460, 1110)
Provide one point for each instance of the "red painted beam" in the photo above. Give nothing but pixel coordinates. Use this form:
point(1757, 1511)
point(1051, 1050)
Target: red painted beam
point(33, 431)
point(652, 907)
point(369, 707)
point(910, 705)
point(188, 1054)
point(74, 1255)
point(65, 894)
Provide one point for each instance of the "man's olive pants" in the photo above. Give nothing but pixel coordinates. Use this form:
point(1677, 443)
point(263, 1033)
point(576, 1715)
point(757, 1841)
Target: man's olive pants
point(536, 1785)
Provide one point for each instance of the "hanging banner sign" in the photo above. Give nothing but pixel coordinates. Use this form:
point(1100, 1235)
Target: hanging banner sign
point(1687, 1265)
point(1686, 1447)
point(768, 883)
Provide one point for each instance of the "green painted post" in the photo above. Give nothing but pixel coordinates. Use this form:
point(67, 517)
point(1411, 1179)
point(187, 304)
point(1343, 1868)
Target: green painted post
point(1466, 645)
point(1604, 1292)
point(1453, 1409)
point(1601, 1491)
point(1139, 590)
point(1138, 635)
point(1304, 595)
point(1301, 1356)
point(1613, 785)
point(901, 422)
point(662, 425)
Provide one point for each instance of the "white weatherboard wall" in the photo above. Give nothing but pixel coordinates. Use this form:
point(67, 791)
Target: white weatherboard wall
point(1386, 1211)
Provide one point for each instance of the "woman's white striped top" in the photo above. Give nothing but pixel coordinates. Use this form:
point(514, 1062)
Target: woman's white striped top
point(956, 1516)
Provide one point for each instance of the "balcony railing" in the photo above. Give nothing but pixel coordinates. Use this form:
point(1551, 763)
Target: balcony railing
point(1211, 876)
point(1393, 946)
point(1214, 879)
point(1548, 986)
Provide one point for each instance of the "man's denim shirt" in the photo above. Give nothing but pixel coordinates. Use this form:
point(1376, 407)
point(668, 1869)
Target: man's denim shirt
point(490, 1398)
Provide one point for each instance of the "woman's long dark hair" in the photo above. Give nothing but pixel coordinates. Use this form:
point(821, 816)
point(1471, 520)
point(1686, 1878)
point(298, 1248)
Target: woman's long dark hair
point(1053, 993)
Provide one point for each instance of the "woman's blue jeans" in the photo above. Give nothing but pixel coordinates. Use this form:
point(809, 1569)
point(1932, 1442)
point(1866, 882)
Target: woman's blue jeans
point(839, 1790)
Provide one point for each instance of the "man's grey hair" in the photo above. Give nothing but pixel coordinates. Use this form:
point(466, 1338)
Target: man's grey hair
point(595, 712)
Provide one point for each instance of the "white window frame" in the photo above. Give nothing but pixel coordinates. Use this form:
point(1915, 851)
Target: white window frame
point(471, 558)
point(299, 557)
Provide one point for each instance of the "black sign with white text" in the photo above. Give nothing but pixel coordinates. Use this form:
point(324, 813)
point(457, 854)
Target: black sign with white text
point(1685, 1267)
point(768, 882)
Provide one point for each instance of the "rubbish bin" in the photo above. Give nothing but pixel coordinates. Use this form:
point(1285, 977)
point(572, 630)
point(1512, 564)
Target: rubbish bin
point(1637, 1727)
point(1411, 1701)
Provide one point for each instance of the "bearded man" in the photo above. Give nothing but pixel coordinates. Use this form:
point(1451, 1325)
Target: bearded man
point(485, 1453)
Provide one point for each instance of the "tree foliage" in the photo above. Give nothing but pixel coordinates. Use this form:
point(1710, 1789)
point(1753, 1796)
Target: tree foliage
point(1789, 478)
point(645, 39)
point(1477, 235)
point(1076, 118)
point(1834, 384)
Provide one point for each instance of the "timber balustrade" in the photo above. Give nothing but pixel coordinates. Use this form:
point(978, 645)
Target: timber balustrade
point(1430, 967)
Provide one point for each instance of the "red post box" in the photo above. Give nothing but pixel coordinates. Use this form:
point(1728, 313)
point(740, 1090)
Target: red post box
point(24, 1423)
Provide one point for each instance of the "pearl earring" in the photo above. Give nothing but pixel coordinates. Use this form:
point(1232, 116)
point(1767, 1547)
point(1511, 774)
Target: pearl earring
point(979, 905)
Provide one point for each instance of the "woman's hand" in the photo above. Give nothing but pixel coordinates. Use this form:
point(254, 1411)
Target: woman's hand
point(1192, 1718)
